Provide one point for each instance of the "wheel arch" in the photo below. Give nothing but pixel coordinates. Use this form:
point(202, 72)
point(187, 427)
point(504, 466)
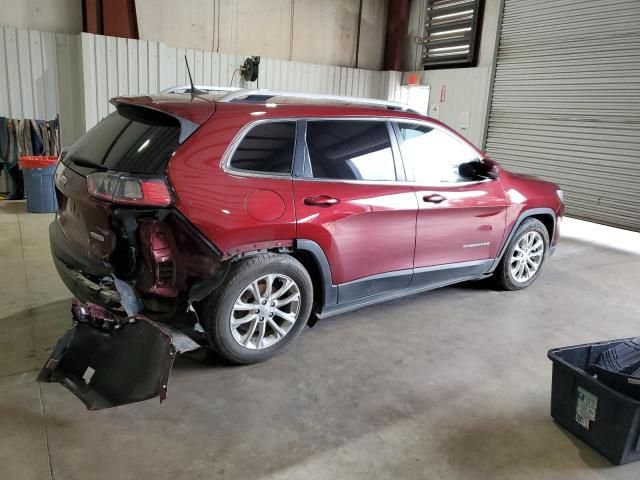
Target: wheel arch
point(311, 255)
point(312, 258)
point(545, 215)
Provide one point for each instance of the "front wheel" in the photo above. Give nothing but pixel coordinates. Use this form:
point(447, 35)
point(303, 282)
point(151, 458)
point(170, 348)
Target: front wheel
point(523, 259)
point(263, 306)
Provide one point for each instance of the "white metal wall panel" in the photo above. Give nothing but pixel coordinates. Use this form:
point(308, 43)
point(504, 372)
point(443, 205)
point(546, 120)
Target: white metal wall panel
point(33, 65)
point(27, 74)
point(71, 104)
point(43, 74)
point(151, 66)
point(566, 102)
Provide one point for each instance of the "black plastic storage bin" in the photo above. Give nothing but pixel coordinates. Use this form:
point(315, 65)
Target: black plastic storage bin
point(607, 420)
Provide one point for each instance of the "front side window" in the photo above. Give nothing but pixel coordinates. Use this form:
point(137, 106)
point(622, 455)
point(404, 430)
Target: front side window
point(350, 150)
point(266, 148)
point(433, 155)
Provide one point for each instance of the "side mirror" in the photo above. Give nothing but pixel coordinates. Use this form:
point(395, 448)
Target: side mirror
point(479, 169)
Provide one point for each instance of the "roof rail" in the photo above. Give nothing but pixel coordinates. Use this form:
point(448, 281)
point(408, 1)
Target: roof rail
point(207, 88)
point(264, 95)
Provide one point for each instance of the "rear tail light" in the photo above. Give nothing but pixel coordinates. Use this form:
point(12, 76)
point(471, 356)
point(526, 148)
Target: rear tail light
point(130, 190)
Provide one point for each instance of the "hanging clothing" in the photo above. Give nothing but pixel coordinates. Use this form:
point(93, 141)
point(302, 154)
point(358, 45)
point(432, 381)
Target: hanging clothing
point(25, 145)
point(37, 146)
point(8, 142)
point(16, 183)
point(9, 158)
point(53, 135)
point(44, 132)
point(4, 139)
point(25, 137)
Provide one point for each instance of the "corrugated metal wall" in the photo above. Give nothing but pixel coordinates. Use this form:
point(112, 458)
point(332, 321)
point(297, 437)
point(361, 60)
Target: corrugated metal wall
point(116, 66)
point(28, 74)
point(33, 67)
point(43, 74)
point(566, 102)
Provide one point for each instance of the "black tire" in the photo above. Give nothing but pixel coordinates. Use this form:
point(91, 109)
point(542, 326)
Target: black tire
point(217, 309)
point(503, 276)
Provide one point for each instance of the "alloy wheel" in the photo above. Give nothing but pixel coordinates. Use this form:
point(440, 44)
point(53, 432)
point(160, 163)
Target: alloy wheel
point(265, 311)
point(527, 257)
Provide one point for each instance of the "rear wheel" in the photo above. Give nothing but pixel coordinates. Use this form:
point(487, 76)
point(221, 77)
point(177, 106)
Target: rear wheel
point(523, 259)
point(263, 306)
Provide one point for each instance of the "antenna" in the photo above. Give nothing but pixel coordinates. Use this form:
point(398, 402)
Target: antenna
point(193, 90)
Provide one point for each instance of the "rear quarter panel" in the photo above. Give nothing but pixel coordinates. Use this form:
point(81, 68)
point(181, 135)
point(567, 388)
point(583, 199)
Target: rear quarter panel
point(216, 201)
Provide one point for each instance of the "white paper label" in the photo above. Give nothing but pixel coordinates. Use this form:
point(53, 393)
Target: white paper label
point(586, 408)
point(88, 375)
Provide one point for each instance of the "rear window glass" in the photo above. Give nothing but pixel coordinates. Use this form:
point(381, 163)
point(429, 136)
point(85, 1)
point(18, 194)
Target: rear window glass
point(133, 139)
point(266, 148)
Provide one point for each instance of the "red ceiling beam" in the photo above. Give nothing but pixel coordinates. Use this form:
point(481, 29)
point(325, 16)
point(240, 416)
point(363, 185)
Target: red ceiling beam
point(116, 18)
point(397, 23)
point(92, 16)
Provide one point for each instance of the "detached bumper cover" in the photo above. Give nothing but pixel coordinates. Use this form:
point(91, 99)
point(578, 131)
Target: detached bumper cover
point(109, 368)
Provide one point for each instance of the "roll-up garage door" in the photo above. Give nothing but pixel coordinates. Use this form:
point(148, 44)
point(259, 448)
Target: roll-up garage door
point(566, 102)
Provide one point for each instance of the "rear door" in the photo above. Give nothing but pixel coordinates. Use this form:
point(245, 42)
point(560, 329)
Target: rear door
point(352, 200)
point(461, 221)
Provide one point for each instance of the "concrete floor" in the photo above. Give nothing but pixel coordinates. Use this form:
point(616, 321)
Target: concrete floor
point(452, 384)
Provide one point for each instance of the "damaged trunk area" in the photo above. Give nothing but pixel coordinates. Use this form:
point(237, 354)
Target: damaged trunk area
point(134, 264)
point(157, 264)
point(131, 320)
point(163, 258)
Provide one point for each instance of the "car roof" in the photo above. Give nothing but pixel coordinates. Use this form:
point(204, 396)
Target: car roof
point(276, 97)
point(300, 108)
point(199, 108)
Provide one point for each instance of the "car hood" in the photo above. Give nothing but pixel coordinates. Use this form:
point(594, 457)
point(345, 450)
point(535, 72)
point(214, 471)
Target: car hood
point(531, 179)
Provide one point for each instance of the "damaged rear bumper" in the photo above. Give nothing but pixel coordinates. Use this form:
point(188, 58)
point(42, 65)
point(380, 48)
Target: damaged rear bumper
point(85, 289)
point(110, 368)
point(117, 351)
point(106, 363)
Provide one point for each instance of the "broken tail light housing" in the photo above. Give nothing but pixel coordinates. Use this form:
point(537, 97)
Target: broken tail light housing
point(130, 189)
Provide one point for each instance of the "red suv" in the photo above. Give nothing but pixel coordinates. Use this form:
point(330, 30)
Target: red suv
point(256, 210)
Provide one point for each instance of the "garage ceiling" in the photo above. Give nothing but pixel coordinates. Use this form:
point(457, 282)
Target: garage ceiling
point(566, 102)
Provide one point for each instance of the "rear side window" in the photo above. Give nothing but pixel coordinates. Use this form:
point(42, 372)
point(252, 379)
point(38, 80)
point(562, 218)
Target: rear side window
point(350, 150)
point(266, 148)
point(133, 139)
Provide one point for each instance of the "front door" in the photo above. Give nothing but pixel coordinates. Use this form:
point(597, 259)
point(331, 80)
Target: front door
point(351, 203)
point(461, 221)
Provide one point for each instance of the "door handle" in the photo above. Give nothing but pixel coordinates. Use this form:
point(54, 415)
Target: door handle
point(434, 198)
point(321, 201)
